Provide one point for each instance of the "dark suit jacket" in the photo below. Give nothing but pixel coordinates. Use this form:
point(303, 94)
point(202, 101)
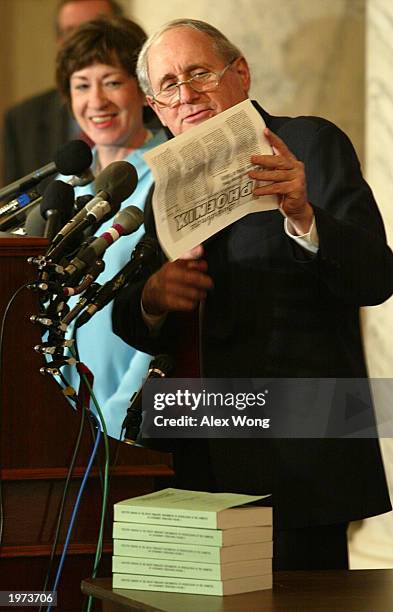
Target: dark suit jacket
point(33, 131)
point(277, 311)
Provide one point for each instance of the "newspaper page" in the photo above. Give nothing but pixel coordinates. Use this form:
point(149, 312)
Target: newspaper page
point(201, 182)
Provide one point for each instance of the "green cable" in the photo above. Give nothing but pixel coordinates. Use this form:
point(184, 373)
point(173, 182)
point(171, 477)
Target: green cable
point(105, 487)
point(105, 482)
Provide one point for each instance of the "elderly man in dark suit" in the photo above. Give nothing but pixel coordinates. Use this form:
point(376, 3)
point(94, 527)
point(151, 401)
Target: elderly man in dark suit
point(280, 298)
point(38, 126)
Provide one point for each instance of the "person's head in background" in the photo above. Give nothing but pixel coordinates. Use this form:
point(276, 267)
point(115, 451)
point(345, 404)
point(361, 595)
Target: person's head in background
point(72, 13)
point(190, 72)
point(96, 75)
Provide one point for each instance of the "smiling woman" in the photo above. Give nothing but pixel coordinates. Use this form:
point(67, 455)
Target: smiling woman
point(95, 72)
point(107, 104)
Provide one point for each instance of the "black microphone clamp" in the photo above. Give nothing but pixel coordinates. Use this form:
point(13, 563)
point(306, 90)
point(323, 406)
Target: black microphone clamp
point(143, 257)
point(160, 367)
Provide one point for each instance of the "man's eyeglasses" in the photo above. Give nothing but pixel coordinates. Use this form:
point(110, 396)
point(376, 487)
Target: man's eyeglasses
point(169, 95)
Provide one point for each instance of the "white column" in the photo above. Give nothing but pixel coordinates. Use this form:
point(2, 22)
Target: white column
point(371, 542)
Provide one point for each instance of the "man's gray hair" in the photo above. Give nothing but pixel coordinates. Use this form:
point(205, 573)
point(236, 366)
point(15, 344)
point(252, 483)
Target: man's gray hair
point(227, 50)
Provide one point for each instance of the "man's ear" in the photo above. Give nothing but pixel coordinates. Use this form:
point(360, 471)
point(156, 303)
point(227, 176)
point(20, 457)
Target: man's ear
point(155, 108)
point(240, 65)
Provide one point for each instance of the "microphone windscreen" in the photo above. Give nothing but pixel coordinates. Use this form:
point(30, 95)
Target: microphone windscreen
point(58, 196)
point(82, 179)
point(119, 179)
point(130, 218)
point(74, 157)
point(35, 224)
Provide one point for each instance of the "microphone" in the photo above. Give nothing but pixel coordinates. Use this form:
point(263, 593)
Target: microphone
point(127, 221)
point(160, 367)
point(80, 180)
point(144, 254)
point(72, 158)
point(24, 199)
point(35, 224)
point(81, 201)
point(113, 185)
point(20, 202)
point(56, 206)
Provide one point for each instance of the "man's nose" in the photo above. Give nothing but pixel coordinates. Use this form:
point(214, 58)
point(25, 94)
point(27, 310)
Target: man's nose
point(187, 93)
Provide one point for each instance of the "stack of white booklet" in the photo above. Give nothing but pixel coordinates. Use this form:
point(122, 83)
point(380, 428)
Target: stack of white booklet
point(192, 542)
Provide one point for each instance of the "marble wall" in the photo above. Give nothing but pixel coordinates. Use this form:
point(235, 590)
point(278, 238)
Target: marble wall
point(379, 160)
point(372, 540)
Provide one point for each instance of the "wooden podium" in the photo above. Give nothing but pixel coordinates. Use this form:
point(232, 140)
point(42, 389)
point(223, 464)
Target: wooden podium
point(38, 433)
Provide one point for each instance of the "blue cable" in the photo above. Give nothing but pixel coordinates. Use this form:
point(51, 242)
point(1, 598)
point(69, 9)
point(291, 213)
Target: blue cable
point(76, 508)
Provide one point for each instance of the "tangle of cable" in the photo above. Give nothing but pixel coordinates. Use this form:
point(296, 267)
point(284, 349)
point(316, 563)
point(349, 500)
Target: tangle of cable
point(76, 508)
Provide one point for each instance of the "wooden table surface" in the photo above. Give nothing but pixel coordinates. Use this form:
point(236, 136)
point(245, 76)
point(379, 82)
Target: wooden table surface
point(328, 591)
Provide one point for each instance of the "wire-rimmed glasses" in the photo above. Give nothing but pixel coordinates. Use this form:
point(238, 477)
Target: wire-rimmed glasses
point(205, 80)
